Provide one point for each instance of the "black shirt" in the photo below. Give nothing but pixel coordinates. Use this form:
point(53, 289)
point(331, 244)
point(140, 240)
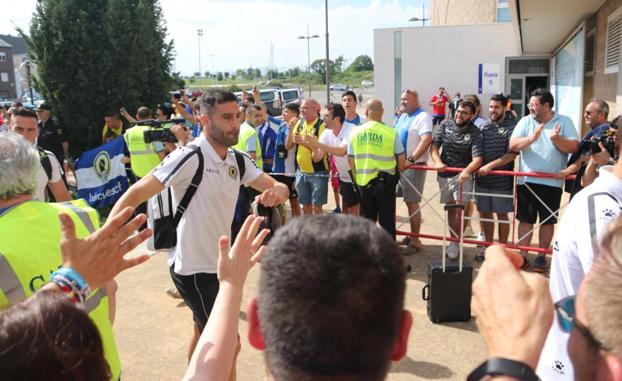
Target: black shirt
point(496, 143)
point(51, 137)
point(458, 145)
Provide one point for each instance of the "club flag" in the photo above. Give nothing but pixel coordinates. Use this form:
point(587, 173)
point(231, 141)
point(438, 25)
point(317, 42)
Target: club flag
point(100, 174)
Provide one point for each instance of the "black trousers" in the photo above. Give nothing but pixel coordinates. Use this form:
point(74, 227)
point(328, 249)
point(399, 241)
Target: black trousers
point(378, 204)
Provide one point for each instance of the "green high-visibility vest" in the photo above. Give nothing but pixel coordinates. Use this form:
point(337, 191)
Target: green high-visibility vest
point(373, 146)
point(143, 156)
point(247, 132)
point(29, 253)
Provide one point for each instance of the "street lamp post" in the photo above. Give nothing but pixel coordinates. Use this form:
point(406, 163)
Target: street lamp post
point(199, 34)
point(327, 56)
point(423, 19)
point(307, 37)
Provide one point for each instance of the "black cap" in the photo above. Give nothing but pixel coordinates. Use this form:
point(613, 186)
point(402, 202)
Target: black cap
point(44, 106)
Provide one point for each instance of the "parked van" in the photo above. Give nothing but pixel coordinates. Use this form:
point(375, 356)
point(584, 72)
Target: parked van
point(274, 99)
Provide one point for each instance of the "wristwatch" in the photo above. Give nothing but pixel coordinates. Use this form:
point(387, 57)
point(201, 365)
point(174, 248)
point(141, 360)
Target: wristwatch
point(498, 366)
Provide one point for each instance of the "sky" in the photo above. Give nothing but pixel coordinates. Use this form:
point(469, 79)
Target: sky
point(240, 33)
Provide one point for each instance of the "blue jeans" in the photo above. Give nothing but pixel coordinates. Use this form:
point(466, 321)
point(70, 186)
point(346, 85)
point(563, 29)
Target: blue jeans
point(312, 188)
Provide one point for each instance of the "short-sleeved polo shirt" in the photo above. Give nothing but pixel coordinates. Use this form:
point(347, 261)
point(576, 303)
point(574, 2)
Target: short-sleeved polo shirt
point(458, 145)
point(410, 128)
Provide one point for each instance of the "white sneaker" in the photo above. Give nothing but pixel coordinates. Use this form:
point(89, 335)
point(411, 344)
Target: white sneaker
point(468, 232)
point(481, 237)
point(453, 250)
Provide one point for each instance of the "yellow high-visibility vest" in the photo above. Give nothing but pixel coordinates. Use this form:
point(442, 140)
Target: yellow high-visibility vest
point(29, 252)
point(143, 156)
point(247, 132)
point(373, 146)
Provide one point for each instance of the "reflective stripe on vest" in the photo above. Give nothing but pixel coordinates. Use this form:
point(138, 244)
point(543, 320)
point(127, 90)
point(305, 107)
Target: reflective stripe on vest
point(30, 252)
point(142, 156)
point(373, 147)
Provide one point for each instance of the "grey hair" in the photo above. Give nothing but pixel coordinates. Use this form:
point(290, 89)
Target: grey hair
point(19, 164)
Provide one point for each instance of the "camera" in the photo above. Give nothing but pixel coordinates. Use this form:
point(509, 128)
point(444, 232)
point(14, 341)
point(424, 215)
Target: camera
point(161, 131)
point(590, 147)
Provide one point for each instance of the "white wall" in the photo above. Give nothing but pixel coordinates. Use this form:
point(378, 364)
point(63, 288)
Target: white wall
point(437, 56)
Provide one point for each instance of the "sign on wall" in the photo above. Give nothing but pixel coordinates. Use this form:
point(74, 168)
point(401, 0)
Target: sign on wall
point(489, 78)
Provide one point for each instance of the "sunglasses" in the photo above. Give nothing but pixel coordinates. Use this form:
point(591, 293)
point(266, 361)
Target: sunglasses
point(567, 320)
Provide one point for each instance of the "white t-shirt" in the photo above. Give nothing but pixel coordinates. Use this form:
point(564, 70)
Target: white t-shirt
point(341, 162)
point(585, 219)
point(211, 210)
point(42, 177)
point(420, 125)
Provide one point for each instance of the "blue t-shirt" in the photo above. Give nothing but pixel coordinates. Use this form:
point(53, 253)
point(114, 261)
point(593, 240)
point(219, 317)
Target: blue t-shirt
point(356, 121)
point(267, 139)
point(402, 126)
point(542, 155)
point(287, 164)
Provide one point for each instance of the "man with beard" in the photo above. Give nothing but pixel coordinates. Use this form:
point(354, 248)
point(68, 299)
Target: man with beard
point(544, 140)
point(496, 134)
point(461, 143)
point(210, 212)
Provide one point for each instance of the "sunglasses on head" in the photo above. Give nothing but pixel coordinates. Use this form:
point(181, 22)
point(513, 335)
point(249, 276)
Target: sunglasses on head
point(567, 320)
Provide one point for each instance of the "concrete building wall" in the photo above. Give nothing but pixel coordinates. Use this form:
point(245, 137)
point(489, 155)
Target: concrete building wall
point(463, 12)
point(440, 56)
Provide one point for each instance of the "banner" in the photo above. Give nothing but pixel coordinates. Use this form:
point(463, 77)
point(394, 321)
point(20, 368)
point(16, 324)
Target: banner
point(100, 174)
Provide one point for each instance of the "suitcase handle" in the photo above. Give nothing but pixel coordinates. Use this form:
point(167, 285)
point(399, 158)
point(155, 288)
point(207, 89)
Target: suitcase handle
point(425, 295)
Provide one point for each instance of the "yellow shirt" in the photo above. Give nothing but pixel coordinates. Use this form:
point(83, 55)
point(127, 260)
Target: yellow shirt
point(116, 131)
point(303, 154)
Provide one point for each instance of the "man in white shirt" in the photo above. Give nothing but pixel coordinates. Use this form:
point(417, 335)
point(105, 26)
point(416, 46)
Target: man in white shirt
point(334, 140)
point(414, 128)
point(209, 214)
point(582, 225)
point(24, 122)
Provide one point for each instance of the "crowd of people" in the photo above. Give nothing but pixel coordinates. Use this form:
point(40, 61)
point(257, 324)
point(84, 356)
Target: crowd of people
point(229, 149)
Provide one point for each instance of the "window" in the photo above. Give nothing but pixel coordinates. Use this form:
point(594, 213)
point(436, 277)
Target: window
point(4, 77)
point(612, 47)
point(503, 12)
point(2, 56)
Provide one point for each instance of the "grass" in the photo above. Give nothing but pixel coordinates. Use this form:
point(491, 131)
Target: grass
point(352, 79)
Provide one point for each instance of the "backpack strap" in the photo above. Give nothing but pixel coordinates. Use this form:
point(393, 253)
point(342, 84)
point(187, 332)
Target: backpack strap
point(239, 158)
point(192, 188)
point(46, 162)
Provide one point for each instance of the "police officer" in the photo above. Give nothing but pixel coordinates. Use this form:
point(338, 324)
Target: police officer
point(375, 154)
point(30, 233)
point(51, 135)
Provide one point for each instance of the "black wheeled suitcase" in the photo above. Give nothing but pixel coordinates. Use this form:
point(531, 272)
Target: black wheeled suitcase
point(448, 292)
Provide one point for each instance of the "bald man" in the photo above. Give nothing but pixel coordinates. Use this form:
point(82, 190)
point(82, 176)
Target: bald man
point(374, 152)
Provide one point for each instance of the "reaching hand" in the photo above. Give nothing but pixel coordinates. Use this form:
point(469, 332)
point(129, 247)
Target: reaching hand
point(310, 141)
point(98, 257)
point(235, 262)
point(514, 309)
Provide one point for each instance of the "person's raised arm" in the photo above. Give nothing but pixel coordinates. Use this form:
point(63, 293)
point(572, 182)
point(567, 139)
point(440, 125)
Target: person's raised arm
point(216, 348)
point(565, 145)
point(127, 116)
point(138, 193)
point(519, 143)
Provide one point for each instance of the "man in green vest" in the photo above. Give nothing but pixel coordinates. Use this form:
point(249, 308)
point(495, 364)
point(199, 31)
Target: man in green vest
point(248, 141)
point(30, 235)
point(143, 156)
point(375, 153)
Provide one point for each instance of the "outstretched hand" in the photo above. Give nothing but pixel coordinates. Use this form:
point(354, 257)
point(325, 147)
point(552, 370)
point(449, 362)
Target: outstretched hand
point(99, 257)
point(514, 309)
point(235, 262)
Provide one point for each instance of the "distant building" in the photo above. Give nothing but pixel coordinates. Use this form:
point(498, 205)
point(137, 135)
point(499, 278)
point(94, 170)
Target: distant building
point(20, 55)
point(7, 71)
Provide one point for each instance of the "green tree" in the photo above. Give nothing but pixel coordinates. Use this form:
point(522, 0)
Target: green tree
point(257, 73)
point(98, 55)
point(319, 66)
point(361, 63)
point(226, 74)
point(240, 73)
point(219, 76)
point(250, 73)
point(339, 64)
point(207, 73)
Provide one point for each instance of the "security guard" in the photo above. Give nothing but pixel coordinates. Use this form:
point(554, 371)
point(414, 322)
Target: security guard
point(143, 156)
point(30, 236)
point(374, 153)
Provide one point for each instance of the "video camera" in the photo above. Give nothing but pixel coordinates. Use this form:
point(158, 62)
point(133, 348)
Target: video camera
point(161, 131)
point(590, 147)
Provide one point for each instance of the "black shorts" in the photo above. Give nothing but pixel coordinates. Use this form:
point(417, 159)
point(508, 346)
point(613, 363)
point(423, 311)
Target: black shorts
point(529, 207)
point(199, 292)
point(348, 194)
point(437, 119)
point(290, 181)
